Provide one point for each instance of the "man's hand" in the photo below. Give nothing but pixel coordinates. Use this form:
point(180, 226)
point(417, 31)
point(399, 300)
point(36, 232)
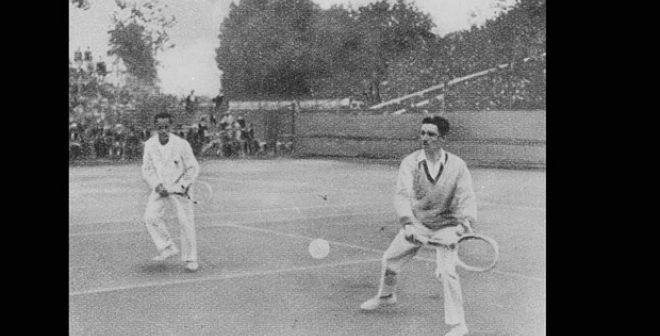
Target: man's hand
point(160, 189)
point(467, 227)
point(411, 235)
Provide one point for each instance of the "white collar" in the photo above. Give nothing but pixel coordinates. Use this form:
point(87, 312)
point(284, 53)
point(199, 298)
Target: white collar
point(442, 154)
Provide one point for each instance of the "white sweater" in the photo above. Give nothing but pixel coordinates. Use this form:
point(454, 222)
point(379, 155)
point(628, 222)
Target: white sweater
point(435, 204)
point(164, 164)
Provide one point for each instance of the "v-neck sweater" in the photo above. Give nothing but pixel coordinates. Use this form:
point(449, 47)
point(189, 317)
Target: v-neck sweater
point(435, 201)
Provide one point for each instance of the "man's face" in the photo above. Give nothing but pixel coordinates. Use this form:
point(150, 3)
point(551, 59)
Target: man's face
point(430, 136)
point(163, 126)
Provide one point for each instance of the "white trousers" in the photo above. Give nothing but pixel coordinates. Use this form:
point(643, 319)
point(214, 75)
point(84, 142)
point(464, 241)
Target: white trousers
point(153, 218)
point(401, 251)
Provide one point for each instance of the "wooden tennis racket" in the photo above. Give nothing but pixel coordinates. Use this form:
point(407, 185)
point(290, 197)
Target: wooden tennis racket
point(476, 252)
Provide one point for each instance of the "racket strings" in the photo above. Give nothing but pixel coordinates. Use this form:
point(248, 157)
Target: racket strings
point(201, 194)
point(477, 253)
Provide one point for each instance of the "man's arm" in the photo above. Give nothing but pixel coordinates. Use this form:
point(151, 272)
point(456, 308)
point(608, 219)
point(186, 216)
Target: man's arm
point(403, 192)
point(191, 165)
point(465, 198)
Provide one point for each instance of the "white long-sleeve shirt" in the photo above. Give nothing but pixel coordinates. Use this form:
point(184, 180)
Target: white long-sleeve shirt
point(434, 199)
point(166, 163)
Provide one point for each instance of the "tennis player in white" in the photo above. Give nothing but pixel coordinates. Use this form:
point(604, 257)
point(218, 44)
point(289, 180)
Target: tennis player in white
point(434, 199)
point(169, 166)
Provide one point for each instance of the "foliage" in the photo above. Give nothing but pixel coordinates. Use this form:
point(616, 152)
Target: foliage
point(139, 33)
point(388, 32)
point(294, 49)
point(92, 100)
point(264, 48)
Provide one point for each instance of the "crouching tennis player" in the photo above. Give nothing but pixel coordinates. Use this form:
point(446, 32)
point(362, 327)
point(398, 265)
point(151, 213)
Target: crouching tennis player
point(434, 199)
point(169, 166)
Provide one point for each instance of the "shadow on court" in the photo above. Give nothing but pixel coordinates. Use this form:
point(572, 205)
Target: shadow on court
point(256, 276)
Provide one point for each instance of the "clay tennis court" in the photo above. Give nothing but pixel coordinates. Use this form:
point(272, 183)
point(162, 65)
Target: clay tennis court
point(256, 276)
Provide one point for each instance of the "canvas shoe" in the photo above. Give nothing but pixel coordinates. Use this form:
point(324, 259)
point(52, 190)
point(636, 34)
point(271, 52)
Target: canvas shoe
point(376, 302)
point(459, 330)
point(192, 266)
point(167, 252)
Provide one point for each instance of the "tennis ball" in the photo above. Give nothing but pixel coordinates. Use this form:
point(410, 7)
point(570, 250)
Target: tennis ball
point(319, 248)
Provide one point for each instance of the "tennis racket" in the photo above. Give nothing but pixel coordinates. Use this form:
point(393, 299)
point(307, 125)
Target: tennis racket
point(200, 193)
point(476, 252)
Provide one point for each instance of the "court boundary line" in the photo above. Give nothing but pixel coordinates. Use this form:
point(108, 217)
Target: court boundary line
point(215, 213)
point(134, 191)
point(262, 230)
point(212, 226)
point(221, 277)
point(278, 271)
point(297, 209)
point(485, 203)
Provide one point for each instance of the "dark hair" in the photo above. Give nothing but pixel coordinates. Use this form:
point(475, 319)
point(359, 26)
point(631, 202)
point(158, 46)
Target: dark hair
point(163, 115)
point(440, 122)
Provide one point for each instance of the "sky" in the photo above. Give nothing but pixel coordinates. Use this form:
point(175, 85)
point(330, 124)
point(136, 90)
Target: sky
point(191, 65)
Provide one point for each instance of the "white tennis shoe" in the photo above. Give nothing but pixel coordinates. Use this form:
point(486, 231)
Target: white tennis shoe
point(192, 266)
point(377, 301)
point(459, 330)
point(166, 253)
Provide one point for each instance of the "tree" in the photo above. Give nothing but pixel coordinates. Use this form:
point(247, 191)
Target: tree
point(293, 48)
point(139, 33)
point(264, 48)
point(388, 32)
point(333, 39)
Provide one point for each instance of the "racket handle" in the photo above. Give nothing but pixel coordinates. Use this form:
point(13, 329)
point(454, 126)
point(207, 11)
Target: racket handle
point(436, 244)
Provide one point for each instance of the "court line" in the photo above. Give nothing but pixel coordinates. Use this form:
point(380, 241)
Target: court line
point(512, 274)
point(215, 213)
point(296, 209)
point(270, 272)
point(81, 234)
point(134, 191)
point(296, 236)
point(142, 190)
point(236, 225)
point(248, 274)
point(221, 277)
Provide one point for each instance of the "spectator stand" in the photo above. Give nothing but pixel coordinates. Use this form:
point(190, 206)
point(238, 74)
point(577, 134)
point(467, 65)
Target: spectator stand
point(108, 142)
point(481, 92)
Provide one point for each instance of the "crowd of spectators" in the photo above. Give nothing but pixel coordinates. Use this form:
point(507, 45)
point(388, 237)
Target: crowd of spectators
point(225, 138)
point(522, 87)
point(106, 142)
point(230, 137)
